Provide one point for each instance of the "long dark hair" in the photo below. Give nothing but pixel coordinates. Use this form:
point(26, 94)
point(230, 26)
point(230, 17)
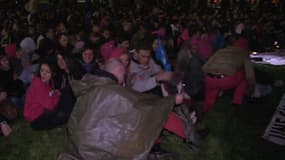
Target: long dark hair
point(52, 69)
point(67, 59)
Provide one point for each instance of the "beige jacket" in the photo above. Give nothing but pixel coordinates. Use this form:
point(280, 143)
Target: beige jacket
point(229, 60)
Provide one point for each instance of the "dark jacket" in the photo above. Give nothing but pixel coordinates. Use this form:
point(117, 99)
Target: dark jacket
point(193, 75)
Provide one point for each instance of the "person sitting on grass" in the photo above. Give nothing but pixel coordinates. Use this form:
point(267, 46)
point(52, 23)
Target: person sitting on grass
point(10, 82)
point(228, 68)
point(88, 59)
point(144, 73)
point(63, 80)
point(41, 107)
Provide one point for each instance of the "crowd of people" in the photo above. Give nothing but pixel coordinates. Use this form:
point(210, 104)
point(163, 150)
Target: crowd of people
point(208, 51)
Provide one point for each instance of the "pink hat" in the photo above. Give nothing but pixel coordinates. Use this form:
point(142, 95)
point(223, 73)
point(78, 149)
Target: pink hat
point(116, 53)
point(106, 49)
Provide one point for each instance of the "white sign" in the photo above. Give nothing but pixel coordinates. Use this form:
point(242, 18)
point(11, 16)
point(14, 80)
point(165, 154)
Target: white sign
point(275, 131)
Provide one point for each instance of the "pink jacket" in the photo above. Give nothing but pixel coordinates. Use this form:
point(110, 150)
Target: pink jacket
point(39, 98)
point(205, 47)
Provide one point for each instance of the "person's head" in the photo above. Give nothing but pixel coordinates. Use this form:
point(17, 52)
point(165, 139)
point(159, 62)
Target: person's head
point(19, 52)
point(144, 56)
point(194, 48)
point(63, 61)
point(63, 40)
point(50, 33)
point(96, 28)
point(124, 42)
point(115, 67)
point(46, 47)
point(4, 62)
point(125, 59)
point(94, 38)
point(60, 27)
point(31, 30)
point(28, 45)
point(15, 26)
point(88, 55)
point(5, 31)
point(106, 33)
point(46, 72)
point(144, 52)
point(184, 54)
point(144, 27)
point(126, 25)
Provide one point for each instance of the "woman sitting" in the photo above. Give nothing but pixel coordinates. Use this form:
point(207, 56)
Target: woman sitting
point(41, 108)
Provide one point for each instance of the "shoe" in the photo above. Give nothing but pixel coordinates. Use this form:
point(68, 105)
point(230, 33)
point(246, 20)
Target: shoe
point(158, 153)
point(197, 138)
point(203, 133)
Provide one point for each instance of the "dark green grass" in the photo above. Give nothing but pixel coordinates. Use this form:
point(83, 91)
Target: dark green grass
point(235, 135)
point(26, 144)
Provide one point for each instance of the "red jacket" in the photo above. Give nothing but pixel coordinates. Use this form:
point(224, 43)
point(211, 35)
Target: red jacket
point(39, 98)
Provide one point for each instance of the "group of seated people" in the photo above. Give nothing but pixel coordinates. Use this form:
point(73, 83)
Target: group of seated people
point(49, 98)
point(37, 73)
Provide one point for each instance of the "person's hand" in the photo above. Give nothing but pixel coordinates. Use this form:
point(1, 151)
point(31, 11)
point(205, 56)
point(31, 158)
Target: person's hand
point(5, 128)
point(164, 76)
point(179, 98)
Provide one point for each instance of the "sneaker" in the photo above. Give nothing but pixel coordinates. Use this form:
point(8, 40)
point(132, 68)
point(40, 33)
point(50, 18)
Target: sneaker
point(158, 153)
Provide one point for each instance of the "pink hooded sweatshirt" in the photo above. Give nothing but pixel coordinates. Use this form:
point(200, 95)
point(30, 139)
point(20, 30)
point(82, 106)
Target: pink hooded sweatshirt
point(205, 47)
point(39, 98)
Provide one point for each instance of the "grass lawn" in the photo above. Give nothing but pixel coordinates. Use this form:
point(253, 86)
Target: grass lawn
point(234, 135)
